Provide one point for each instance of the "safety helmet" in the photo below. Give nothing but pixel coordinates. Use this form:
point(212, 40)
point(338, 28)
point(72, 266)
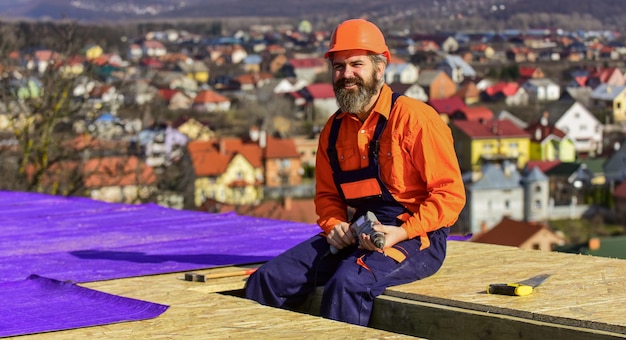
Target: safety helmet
point(358, 34)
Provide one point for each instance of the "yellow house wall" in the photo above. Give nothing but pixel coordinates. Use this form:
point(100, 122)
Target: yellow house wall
point(619, 107)
point(218, 188)
point(502, 147)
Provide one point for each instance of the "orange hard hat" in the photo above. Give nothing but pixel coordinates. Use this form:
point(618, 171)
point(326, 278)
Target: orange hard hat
point(358, 34)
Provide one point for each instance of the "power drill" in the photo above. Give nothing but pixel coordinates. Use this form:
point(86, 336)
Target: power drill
point(363, 225)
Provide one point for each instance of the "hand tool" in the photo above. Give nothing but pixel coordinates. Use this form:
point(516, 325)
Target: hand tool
point(204, 277)
point(363, 225)
point(521, 288)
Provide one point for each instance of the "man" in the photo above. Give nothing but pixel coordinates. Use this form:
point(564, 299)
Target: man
point(387, 154)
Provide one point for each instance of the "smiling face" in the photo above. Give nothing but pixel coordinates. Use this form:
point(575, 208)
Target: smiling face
point(356, 81)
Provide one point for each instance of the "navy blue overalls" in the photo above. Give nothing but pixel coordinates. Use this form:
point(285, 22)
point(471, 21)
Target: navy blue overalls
point(354, 277)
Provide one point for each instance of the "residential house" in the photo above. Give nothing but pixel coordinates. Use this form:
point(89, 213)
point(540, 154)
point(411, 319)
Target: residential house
point(474, 113)
point(612, 100)
point(162, 145)
point(316, 101)
point(437, 84)
point(456, 68)
point(194, 130)
point(612, 76)
point(230, 53)
point(543, 89)
point(410, 90)
point(175, 99)
point(283, 168)
point(481, 52)
point(251, 81)
point(400, 71)
point(194, 69)
point(41, 60)
point(578, 94)
point(493, 141)
point(307, 69)
point(570, 183)
point(227, 170)
point(210, 101)
point(493, 192)
point(536, 194)
point(506, 115)
point(468, 91)
point(306, 147)
point(288, 85)
point(252, 63)
point(118, 179)
point(523, 235)
point(72, 67)
point(447, 106)
point(577, 122)
point(530, 72)
point(286, 209)
point(548, 143)
point(277, 63)
point(615, 166)
point(153, 48)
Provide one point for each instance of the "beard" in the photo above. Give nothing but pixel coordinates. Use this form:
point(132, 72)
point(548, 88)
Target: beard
point(354, 101)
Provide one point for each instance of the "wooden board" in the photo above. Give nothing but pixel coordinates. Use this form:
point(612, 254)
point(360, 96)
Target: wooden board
point(583, 291)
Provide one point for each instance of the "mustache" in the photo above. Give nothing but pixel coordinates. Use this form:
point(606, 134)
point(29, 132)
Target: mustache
point(349, 81)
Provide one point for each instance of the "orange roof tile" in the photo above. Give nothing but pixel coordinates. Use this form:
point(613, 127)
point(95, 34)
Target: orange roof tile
point(208, 96)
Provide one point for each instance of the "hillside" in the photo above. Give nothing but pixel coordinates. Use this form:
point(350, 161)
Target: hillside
point(413, 14)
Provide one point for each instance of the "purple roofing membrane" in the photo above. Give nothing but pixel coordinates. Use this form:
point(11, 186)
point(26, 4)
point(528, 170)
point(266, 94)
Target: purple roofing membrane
point(82, 240)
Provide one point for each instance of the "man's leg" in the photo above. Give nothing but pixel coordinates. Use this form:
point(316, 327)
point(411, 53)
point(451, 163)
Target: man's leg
point(349, 294)
point(290, 277)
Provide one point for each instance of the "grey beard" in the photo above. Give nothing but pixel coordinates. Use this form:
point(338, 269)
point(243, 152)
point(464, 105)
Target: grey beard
point(355, 102)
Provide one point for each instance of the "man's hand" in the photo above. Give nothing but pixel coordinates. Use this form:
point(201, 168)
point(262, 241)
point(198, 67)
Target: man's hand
point(341, 236)
point(393, 235)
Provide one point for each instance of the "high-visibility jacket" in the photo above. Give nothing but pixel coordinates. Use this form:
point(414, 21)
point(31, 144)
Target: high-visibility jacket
point(418, 166)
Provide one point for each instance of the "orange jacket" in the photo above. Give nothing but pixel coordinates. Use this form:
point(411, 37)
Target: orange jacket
point(417, 159)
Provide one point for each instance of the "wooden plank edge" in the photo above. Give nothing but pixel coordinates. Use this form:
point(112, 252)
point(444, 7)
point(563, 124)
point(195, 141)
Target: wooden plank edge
point(436, 321)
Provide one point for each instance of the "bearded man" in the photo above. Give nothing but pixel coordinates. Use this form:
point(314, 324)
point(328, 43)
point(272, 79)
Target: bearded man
point(380, 153)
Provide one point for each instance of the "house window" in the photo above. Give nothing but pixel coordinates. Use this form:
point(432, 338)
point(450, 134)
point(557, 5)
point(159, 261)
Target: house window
point(507, 204)
point(537, 188)
point(576, 115)
point(583, 128)
point(537, 204)
point(619, 105)
point(536, 246)
point(239, 175)
point(487, 147)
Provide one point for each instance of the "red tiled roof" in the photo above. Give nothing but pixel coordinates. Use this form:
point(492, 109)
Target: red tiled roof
point(321, 90)
point(281, 148)
point(117, 171)
point(506, 88)
point(509, 233)
point(208, 96)
point(544, 166)
point(206, 159)
point(447, 105)
point(477, 113)
point(167, 94)
point(489, 129)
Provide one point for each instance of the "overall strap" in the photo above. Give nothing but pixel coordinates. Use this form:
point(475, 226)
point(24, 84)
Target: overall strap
point(374, 143)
